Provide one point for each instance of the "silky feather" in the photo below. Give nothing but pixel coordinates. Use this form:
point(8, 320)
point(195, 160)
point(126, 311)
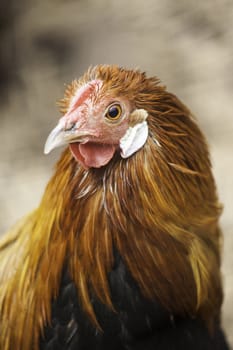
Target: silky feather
point(158, 208)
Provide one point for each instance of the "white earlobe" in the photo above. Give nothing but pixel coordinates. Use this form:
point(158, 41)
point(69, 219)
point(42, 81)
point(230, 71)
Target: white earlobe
point(134, 138)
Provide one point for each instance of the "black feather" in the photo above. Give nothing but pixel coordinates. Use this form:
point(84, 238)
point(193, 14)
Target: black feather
point(137, 324)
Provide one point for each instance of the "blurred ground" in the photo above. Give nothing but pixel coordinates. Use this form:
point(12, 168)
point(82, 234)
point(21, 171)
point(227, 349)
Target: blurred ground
point(44, 44)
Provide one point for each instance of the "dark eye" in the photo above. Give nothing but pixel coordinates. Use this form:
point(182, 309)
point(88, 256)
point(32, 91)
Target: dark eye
point(113, 112)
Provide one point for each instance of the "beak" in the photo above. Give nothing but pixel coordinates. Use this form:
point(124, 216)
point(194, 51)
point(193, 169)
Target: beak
point(59, 136)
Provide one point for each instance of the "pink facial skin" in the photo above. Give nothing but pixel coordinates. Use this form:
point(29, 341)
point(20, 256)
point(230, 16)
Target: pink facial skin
point(99, 136)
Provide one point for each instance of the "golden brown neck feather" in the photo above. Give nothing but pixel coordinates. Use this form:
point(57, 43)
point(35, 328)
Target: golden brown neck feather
point(156, 210)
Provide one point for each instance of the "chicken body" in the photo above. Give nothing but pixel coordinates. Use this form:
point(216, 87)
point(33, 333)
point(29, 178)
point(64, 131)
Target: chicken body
point(137, 323)
point(124, 250)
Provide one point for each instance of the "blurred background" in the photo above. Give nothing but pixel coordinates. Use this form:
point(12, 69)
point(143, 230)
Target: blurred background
point(188, 44)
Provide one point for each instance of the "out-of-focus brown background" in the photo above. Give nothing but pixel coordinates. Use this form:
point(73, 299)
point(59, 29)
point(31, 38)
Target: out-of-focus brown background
point(43, 44)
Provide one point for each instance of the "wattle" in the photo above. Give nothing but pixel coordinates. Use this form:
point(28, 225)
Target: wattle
point(92, 155)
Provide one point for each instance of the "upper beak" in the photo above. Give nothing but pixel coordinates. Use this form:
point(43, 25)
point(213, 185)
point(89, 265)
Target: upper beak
point(59, 136)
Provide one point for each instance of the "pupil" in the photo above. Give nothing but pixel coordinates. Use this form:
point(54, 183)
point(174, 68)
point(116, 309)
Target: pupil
point(113, 112)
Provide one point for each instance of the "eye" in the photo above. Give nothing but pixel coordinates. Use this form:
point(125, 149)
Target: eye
point(114, 112)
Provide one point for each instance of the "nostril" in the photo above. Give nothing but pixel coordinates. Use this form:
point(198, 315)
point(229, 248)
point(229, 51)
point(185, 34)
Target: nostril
point(70, 126)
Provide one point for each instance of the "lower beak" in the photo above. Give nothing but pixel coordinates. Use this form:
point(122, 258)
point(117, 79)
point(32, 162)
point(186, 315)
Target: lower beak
point(60, 137)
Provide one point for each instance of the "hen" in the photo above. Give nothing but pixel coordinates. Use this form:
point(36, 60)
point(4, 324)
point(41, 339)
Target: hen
point(124, 250)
